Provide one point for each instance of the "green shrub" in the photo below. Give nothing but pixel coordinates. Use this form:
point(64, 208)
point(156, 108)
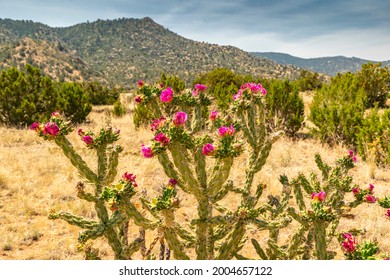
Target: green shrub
point(25, 96)
point(285, 107)
point(337, 110)
point(375, 81)
point(73, 102)
point(118, 109)
point(101, 94)
point(308, 81)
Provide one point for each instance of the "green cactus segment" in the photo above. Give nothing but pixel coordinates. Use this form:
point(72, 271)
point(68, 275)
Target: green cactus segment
point(320, 240)
point(76, 159)
point(174, 244)
point(219, 175)
point(132, 248)
point(102, 161)
point(74, 220)
point(183, 164)
point(234, 243)
point(259, 250)
point(204, 245)
point(200, 167)
point(134, 214)
point(112, 167)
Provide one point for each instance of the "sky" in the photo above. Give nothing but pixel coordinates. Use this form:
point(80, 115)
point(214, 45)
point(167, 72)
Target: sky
point(303, 28)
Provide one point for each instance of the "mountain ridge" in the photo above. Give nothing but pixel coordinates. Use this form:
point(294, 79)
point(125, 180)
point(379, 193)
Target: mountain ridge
point(330, 65)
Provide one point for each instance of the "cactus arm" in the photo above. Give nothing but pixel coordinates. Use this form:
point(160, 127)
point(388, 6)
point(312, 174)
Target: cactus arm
point(74, 220)
point(112, 165)
point(174, 244)
point(184, 234)
point(259, 250)
point(132, 248)
point(320, 240)
point(200, 167)
point(219, 175)
point(138, 218)
point(233, 242)
point(75, 159)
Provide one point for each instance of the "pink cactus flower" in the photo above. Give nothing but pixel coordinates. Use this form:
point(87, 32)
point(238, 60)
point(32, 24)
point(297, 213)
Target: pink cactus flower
point(35, 126)
point(318, 197)
point(51, 128)
point(387, 213)
point(138, 99)
point(370, 199)
point(213, 115)
point(166, 95)
point(352, 155)
point(200, 88)
point(371, 188)
point(157, 123)
point(237, 95)
point(88, 139)
point(80, 132)
point(129, 177)
point(208, 149)
point(162, 138)
point(146, 151)
point(349, 244)
point(355, 191)
point(225, 131)
point(172, 182)
point(180, 118)
point(140, 84)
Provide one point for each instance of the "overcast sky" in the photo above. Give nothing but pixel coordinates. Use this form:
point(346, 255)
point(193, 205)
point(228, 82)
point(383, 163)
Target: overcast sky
point(304, 28)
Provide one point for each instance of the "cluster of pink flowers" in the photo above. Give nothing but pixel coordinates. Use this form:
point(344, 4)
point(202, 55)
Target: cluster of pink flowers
point(157, 123)
point(352, 155)
point(213, 115)
point(162, 138)
point(349, 243)
point(252, 87)
point(129, 177)
point(387, 213)
point(198, 89)
point(50, 128)
point(147, 152)
point(208, 149)
point(366, 194)
point(225, 131)
point(180, 118)
point(318, 197)
point(166, 95)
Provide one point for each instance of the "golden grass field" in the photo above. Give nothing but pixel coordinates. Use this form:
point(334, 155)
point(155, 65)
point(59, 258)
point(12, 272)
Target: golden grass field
point(35, 178)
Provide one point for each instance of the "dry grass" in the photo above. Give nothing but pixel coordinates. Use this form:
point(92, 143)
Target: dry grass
point(35, 177)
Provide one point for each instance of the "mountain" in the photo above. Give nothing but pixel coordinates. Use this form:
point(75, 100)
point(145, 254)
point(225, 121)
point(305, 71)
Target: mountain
point(122, 51)
point(326, 65)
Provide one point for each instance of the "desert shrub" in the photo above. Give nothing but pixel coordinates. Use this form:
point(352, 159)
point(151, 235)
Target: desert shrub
point(172, 81)
point(373, 139)
point(375, 80)
point(73, 102)
point(101, 94)
point(337, 110)
point(118, 109)
point(25, 96)
point(285, 107)
point(308, 81)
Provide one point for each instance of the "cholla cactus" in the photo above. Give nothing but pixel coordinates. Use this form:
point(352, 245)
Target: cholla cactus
point(186, 136)
point(112, 226)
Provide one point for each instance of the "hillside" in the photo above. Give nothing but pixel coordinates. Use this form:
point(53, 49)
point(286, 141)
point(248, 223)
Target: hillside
point(123, 51)
point(327, 65)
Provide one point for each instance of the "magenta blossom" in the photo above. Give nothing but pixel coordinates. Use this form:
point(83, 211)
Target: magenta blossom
point(370, 199)
point(166, 95)
point(208, 149)
point(225, 131)
point(180, 118)
point(80, 132)
point(200, 88)
point(352, 155)
point(140, 84)
point(349, 244)
point(162, 138)
point(87, 139)
point(138, 99)
point(51, 128)
point(146, 151)
point(157, 123)
point(371, 188)
point(213, 115)
point(318, 197)
point(128, 177)
point(237, 95)
point(355, 191)
point(387, 213)
point(35, 126)
point(172, 182)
